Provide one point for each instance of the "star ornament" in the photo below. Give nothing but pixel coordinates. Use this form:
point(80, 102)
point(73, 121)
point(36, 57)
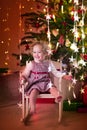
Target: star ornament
point(71, 59)
point(81, 77)
point(76, 17)
point(82, 62)
point(74, 81)
point(82, 90)
point(48, 17)
point(76, 49)
point(73, 46)
point(49, 51)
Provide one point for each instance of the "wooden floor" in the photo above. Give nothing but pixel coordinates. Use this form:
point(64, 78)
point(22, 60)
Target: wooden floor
point(46, 118)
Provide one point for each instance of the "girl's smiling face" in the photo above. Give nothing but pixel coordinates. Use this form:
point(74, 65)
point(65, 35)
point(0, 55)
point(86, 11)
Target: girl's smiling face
point(38, 53)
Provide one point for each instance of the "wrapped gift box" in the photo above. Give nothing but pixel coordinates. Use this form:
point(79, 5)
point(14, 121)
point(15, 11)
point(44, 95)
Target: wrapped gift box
point(73, 106)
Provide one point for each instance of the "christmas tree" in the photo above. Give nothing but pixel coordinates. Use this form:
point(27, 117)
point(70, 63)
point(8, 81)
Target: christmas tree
point(62, 25)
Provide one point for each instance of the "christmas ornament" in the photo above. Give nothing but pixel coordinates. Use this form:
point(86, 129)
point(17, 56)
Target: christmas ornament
point(27, 47)
point(85, 95)
point(61, 40)
point(67, 43)
point(84, 56)
point(55, 32)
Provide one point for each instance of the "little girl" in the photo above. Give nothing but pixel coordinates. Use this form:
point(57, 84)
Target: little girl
point(37, 73)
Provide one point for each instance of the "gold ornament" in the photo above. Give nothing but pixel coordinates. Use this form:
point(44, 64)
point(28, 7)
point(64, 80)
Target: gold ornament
point(55, 32)
point(67, 44)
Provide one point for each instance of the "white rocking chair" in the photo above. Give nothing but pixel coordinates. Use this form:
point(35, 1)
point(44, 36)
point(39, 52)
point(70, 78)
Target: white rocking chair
point(25, 101)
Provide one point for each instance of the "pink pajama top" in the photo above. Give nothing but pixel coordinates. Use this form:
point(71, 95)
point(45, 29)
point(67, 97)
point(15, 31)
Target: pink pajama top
point(39, 77)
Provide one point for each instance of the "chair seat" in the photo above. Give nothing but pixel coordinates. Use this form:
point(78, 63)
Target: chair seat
point(45, 95)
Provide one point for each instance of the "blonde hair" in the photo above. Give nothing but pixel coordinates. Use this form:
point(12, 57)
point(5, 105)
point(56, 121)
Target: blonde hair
point(44, 47)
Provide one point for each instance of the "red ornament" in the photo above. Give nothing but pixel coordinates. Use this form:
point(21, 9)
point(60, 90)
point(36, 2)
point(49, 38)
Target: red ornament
point(79, 11)
point(64, 23)
point(54, 51)
point(79, 38)
point(37, 25)
point(61, 40)
point(27, 47)
point(84, 56)
point(85, 95)
point(72, 18)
